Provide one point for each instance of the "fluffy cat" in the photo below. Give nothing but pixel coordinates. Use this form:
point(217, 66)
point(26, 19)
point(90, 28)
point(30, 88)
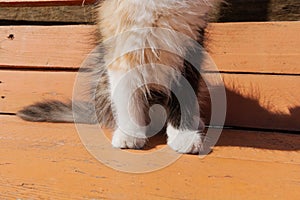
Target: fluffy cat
point(133, 20)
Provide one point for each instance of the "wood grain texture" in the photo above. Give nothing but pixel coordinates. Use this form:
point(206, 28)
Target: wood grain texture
point(47, 15)
point(256, 101)
point(284, 10)
point(45, 46)
point(48, 161)
point(231, 11)
point(262, 101)
point(260, 10)
point(42, 160)
point(44, 2)
point(20, 88)
point(271, 47)
point(236, 47)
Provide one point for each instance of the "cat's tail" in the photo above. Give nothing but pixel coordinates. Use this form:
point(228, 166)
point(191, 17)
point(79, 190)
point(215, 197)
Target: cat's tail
point(57, 111)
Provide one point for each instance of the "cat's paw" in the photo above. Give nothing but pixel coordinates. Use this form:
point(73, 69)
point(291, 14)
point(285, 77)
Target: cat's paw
point(184, 141)
point(124, 141)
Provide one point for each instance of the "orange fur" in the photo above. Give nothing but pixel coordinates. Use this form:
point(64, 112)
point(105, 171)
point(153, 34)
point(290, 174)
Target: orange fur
point(119, 16)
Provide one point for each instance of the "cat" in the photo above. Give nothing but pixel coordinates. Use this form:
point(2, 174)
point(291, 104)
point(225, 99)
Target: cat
point(139, 23)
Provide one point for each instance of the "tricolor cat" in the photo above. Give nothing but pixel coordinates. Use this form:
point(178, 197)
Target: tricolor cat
point(149, 27)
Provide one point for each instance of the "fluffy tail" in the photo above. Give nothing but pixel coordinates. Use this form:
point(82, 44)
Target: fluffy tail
point(56, 111)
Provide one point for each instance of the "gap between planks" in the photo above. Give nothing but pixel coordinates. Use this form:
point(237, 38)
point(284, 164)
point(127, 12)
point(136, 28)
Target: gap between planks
point(12, 3)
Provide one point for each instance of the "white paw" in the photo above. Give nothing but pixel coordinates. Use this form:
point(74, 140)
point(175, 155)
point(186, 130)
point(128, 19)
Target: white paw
point(184, 141)
point(124, 141)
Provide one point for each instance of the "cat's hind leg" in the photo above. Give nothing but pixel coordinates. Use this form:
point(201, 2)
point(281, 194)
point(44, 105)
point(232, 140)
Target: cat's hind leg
point(185, 140)
point(185, 127)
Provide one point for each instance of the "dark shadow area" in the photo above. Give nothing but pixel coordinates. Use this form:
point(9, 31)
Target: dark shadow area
point(247, 112)
point(244, 11)
point(156, 140)
point(37, 23)
point(259, 140)
point(258, 127)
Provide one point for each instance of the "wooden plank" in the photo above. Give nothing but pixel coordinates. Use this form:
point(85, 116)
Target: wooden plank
point(242, 47)
point(271, 47)
point(45, 46)
point(259, 10)
point(44, 2)
point(42, 160)
point(257, 101)
point(262, 101)
point(284, 10)
point(47, 15)
point(20, 88)
point(231, 11)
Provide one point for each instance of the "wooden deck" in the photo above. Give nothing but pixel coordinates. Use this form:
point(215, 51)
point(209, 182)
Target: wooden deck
point(258, 157)
point(44, 60)
point(48, 161)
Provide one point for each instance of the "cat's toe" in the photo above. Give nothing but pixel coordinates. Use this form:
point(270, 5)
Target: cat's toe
point(186, 141)
point(187, 144)
point(124, 141)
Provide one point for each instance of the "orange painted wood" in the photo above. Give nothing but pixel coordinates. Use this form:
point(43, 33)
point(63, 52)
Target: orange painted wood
point(45, 46)
point(48, 161)
point(257, 101)
point(45, 2)
point(20, 88)
point(263, 101)
point(269, 47)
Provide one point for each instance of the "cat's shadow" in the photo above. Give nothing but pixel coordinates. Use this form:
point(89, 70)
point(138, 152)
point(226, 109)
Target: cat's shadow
point(271, 131)
point(247, 136)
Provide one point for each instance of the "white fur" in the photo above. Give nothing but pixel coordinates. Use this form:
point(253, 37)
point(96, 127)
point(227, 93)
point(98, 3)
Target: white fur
point(184, 141)
point(124, 141)
point(128, 134)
